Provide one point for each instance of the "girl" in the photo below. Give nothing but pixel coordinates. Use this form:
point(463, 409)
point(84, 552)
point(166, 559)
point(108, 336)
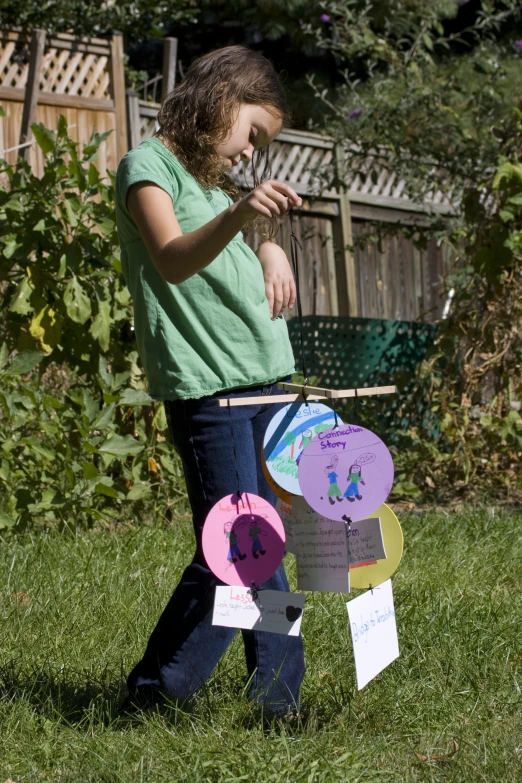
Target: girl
point(354, 477)
point(208, 323)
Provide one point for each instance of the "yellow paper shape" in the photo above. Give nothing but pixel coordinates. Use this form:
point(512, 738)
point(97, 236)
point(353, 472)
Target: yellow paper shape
point(366, 576)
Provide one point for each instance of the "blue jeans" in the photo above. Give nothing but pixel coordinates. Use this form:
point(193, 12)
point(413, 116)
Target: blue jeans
point(184, 647)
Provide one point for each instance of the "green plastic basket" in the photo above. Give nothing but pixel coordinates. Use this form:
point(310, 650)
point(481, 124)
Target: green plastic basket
point(347, 353)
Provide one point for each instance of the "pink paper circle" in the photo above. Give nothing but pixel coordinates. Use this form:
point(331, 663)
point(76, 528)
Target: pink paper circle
point(243, 540)
point(336, 463)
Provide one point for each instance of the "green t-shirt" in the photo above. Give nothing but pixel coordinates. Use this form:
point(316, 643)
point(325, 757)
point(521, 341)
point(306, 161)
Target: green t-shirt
point(213, 331)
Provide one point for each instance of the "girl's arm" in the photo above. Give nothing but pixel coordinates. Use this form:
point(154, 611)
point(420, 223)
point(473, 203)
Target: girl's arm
point(279, 280)
point(178, 256)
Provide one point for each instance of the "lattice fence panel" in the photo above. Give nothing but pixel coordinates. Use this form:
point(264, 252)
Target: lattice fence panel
point(306, 162)
point(298, 164)
point(14, 63)
point(76, 73)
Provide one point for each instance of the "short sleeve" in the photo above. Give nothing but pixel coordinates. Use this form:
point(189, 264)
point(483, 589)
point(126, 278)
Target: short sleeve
point(143, 164)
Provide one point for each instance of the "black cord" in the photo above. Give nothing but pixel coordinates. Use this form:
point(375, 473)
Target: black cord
point(234, 450)
point(293, 252)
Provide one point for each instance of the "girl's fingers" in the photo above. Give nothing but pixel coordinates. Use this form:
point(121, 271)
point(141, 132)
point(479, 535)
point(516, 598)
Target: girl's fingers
point(282, 187)
point(263, 207)
point(286, 294)
point(270, 204)
point(291, 300)
point(269, 290)
point(278, 300)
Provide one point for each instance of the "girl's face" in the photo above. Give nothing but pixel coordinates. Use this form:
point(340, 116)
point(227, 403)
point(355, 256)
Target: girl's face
point(254, 128)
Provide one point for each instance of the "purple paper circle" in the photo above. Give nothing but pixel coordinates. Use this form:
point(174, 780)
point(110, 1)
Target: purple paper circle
point(346, 471)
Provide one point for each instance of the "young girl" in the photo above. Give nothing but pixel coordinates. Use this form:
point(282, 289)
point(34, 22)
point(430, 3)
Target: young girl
point(208, 324)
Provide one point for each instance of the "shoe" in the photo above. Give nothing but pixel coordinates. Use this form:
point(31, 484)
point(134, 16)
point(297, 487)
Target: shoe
point(234, 559)
point(141, 698)
point(331, 501)
point(340, 500)
point(242, 557)
point(262, 551)
point(351, 500)
point(255, 555)
point(359, 497)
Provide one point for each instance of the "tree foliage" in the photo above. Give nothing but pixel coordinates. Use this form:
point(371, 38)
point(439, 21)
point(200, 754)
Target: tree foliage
point(443, 111)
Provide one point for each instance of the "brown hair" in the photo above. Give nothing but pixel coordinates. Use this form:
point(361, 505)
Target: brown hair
point(200, 112)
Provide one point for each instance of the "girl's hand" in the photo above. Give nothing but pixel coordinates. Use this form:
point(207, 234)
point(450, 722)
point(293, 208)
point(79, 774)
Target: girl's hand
point(270, 198)
point(279, 280)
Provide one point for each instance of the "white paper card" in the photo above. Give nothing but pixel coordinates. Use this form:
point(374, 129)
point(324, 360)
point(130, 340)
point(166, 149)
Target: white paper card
point(374, 632)
point(365, 541)
point(320, 550)
point(285, 512)
point(274, 611)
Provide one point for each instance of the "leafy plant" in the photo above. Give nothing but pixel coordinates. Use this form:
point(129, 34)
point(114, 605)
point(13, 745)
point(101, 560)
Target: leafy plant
point(80, 434)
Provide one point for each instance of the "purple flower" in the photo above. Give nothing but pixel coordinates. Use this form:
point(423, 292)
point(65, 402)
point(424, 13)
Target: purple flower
point(354, 115)
point(325, 18)
point(518, 46)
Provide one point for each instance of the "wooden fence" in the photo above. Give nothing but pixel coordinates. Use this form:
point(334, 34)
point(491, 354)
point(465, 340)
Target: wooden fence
point(343, 271)
point(43, 76)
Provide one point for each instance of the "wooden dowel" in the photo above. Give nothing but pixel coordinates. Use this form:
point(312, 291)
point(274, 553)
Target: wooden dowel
point(266, 400)
point(337, 393)
point(315, 394)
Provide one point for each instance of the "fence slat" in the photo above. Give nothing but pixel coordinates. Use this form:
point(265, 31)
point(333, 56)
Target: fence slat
point(118, 93)
point(31, 91)
point(170, 57)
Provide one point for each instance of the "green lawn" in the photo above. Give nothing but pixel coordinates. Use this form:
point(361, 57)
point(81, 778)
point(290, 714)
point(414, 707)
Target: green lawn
point(76, 613)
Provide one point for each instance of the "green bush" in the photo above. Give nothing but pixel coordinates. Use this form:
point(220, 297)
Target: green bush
point(80, 434)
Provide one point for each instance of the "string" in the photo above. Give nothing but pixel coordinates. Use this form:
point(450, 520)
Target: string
point(355, 414)
point(293, 253)
point(238, 493)
point(335, 413)
point(254, 592)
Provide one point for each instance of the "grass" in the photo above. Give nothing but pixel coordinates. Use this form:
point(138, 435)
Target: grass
point(76, 613)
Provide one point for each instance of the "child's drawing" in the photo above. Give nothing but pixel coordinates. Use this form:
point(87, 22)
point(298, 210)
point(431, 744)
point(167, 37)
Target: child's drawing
point(254, 533)
point(289, 433)
point(305, 440)
point(355, 478)
point(333, 489)
point(234, 553)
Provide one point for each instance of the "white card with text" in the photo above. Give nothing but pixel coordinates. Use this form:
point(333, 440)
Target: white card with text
point(273, 611)
point(321, 554)
point(284, 510)
point(365, 542)
point(374, 632)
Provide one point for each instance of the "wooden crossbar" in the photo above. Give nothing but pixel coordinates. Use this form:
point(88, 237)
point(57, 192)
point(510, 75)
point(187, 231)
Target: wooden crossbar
point(333, 394)
point(310, 393)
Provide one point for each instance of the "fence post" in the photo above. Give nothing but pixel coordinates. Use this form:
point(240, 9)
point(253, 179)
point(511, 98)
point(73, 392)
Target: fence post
point(345, 236)
point(133, 119)
point(170, 56)
point(37, 47)
point(118, 93)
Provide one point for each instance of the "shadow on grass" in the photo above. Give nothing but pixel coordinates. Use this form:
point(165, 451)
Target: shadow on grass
point(78, 698)
point(68, 697)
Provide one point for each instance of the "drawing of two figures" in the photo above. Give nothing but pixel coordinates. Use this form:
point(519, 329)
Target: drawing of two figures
point(352, 491)
point(255, 530)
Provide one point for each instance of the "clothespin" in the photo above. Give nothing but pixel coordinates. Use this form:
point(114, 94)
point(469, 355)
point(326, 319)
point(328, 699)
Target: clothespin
point(254, 592)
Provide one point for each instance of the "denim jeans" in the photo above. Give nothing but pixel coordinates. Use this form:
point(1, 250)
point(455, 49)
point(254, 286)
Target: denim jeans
point(184, 647)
